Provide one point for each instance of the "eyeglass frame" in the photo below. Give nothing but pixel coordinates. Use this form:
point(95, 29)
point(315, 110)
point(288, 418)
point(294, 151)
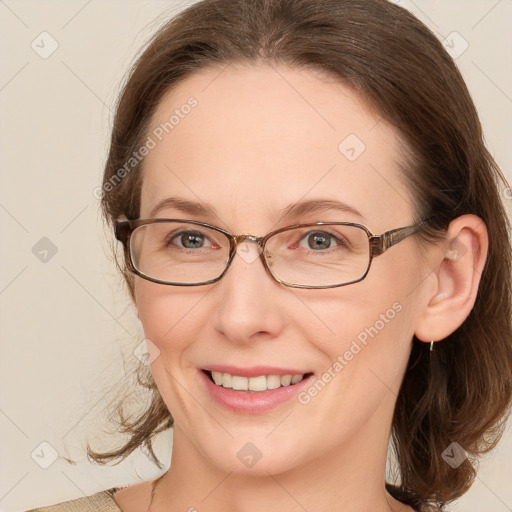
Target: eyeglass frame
point(378, 244)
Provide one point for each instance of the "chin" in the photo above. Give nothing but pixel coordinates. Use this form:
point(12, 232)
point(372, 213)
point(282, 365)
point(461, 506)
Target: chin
point(256, 457)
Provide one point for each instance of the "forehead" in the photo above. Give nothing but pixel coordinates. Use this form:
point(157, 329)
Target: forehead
point(251, 140)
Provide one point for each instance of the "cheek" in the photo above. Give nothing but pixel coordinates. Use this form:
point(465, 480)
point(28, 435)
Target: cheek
point(359, 313)
point(370, 326)
point(170, 319)
point(169, 316)
point(364, 363)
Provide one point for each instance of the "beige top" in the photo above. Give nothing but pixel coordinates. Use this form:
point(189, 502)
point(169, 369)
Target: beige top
point(102, 501)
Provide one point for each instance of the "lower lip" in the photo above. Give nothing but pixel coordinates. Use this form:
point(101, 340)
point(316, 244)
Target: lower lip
point(252, 402)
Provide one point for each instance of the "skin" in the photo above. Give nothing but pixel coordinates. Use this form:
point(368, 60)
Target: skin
point(261, 138)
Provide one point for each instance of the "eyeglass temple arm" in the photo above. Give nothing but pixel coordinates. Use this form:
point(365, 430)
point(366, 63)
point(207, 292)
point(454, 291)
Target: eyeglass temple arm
point(121, 230)
point(382, 243)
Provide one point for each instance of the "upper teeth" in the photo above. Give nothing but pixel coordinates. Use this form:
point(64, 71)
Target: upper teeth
point(260, 383)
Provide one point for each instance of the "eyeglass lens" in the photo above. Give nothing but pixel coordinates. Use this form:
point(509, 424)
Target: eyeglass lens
point(181, 252)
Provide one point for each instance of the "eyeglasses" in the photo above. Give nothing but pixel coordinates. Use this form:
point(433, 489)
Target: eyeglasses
point(318, 255)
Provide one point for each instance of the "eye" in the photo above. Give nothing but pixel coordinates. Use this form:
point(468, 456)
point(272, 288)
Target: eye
point(188, 239)
point(320, 240)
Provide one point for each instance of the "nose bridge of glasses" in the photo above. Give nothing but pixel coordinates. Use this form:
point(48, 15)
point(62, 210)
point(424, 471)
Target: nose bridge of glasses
point(248, 252)
point(238, 239)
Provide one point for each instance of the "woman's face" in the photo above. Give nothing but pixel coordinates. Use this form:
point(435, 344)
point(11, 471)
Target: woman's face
point(256, 141)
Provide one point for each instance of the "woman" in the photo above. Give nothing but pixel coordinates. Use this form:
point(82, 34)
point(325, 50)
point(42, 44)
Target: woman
point(369, 295)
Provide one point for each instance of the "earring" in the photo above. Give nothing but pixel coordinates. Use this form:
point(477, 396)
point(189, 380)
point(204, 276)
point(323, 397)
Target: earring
point(431, 346)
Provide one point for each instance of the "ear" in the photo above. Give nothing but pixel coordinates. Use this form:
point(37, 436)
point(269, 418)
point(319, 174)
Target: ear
point(457, 273)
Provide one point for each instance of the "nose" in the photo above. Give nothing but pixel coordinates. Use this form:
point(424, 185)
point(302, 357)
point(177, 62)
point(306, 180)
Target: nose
point(249, 303)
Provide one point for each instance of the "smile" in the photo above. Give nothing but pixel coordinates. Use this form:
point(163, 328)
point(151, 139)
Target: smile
point(259, 391)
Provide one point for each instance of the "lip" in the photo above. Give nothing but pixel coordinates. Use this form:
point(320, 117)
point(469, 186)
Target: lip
point(253, 402)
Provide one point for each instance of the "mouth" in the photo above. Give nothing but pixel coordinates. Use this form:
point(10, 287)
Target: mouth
point(254, 384)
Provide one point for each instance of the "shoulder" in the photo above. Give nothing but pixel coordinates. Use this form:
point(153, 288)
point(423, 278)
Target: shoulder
point(102, 501)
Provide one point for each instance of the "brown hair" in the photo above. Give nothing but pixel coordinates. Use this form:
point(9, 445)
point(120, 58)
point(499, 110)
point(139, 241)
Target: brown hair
point(400, 69)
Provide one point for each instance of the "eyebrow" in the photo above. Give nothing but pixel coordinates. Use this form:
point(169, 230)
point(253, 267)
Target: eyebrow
point(185, 206)
point(293, 210)
point(316, 206)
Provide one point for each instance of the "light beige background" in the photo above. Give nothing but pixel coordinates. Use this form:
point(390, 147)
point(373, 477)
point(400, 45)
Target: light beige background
point(68, 331)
